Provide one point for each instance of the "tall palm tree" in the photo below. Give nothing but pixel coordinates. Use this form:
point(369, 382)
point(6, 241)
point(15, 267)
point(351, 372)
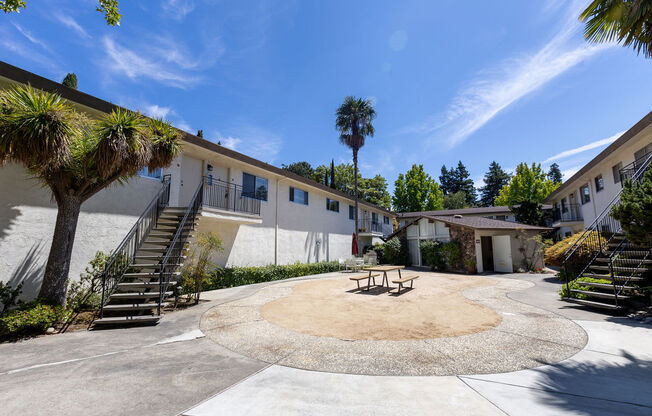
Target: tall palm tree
point(626, 21)
point(353, 121)
point(76, 158)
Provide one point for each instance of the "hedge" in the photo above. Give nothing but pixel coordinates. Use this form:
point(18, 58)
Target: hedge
point(239, 276)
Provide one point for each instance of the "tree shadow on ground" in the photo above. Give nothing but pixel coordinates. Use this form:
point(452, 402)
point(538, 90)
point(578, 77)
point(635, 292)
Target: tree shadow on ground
point(591, 388)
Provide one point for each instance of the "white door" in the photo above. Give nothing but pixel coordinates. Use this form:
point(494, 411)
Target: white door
point(415, 255)
point(502, 248)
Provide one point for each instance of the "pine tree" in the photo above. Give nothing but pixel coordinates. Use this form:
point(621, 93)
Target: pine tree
point(494, 180)
point(332, 174)
point(464, 183)
point(200, 133)
point(446, 180)
point(554, 174)
point(70, 81)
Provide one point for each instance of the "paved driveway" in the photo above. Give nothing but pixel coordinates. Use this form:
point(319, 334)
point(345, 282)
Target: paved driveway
point(173, 369)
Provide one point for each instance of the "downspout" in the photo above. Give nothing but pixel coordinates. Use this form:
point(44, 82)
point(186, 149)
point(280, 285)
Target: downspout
point(278, 181)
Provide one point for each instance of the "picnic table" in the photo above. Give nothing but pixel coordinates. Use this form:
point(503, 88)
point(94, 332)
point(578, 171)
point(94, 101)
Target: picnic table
point(384, 269)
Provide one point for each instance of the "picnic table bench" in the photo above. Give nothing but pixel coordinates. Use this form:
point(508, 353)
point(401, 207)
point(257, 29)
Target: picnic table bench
point(369, 277)
point(409, 278)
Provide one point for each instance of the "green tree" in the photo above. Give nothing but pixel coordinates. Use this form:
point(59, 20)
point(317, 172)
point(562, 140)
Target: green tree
point(464, 183)
point(200, 133)
point(416, 191)
point(354, 122)
point(70, 81)
point(332, 184)
point(374, 190)
point(447, 180)
point(76, 158)
point(525, 192)
point(300, 168)
point(455, 201)
point(634, 210)
point(625, 21)
point(109, 8)
point(554, 174)
point(494, 180)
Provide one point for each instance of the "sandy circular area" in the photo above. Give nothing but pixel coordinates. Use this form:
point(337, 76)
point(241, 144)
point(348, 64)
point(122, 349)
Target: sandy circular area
point(435, 308)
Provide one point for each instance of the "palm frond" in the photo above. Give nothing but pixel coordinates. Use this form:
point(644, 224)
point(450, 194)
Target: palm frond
point(166, 143)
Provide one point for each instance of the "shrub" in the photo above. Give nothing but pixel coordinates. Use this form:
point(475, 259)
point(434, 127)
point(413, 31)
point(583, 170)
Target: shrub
point(85, 293)
point(32, 318)
point(564, 293)
point(195, 274)
point(554, 255)
point(378, 248)
point(431, 254)
point(634, 211)
point(238, 276)
point(395, 251)
point(9, 296)
point(452, 253)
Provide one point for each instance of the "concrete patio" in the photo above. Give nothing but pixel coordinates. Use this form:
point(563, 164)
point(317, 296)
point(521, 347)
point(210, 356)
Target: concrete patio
point(173, 368)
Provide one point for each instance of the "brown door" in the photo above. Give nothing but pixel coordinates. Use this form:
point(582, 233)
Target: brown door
point(487, 254)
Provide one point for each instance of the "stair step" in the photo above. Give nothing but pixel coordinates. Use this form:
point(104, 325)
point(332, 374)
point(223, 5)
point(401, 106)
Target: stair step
point(127, 319)
point(620, 259)
point(618, 268)
point(601, 295)
point(153, 265)
point(134, 306)
point(616, 278)
point(148, 274)
point(137, 295)
point(132, 285)
point(594, 304)
point(607, 286)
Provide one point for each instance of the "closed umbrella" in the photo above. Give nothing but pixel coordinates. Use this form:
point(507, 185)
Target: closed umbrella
point(354, 245)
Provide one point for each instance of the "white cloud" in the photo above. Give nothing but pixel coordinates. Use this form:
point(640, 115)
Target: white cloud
point(592, 145)
point(135, 65)
point(398, 40)
point(71, 23)
point(493, 91)
point(157, 111)
point(567, 173)
point(178, 9)
point(255, 142)
point(29, 36)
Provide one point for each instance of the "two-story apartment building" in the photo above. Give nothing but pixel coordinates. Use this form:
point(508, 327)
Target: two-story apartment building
point(586, 194)
point(502, 213)
point(264, 214)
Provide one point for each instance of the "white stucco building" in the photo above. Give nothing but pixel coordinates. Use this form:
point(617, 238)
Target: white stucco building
point(264, 214)
point(586, 194)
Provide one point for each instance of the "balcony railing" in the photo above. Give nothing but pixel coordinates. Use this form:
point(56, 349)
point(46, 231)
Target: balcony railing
point(573, 212)
point(229, 197)
point(369, 226)
point(628, 171)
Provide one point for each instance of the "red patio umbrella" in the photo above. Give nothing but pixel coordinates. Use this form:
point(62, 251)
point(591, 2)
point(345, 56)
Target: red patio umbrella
point(354, 245)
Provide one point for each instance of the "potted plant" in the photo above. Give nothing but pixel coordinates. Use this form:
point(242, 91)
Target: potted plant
point(470, 266)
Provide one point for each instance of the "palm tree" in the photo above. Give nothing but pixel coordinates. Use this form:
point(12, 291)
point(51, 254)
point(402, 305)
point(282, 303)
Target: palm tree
point(353, 121)
point(626, 21)
point(76, 158)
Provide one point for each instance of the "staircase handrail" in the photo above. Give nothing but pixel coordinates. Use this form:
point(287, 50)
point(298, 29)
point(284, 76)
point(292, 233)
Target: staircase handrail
point(166, 269)
point(133, 241)
point(640, 263)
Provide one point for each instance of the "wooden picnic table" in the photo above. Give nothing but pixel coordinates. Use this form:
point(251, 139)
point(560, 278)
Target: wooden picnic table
point(384, 269)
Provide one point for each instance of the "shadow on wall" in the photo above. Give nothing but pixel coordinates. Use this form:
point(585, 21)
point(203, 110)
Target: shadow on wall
point(566, 385)
point(315, 245)
point(29, 272)
point(8, 215)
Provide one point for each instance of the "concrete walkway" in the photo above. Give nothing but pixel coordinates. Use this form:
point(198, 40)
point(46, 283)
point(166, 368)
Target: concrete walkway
point(173, 369)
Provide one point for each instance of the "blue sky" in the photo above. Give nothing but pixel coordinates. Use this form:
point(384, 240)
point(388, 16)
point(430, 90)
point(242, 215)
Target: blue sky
point(478, 81)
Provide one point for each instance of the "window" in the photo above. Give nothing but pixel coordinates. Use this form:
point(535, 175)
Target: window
point(564, 205)
point(374, 218)
point(332, 205)
point(599, 183)
point(254, 187)
point(585, 194)
point(299, 196)
point(642, 153)
point(501, 217)
point(154, 174)
point(385, 219)
point(351, 212)
point(616, 171)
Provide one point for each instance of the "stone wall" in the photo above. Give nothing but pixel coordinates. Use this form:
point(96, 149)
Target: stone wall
point(466, 238)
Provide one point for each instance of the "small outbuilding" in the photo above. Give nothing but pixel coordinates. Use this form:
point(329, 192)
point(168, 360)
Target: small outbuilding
point(495, 245)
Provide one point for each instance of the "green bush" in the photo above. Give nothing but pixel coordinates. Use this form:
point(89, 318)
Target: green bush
point(32, 318)
point(394, 251)
point(9, 296)
point(564, 293)
point(86, 293)
point(431, 254)
point(452, 253)
point(238, 276)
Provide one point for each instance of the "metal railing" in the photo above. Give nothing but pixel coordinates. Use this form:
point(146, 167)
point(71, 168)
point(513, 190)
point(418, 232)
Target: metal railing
point(122, 257)
point(229, 197)
point(597, 237)
point(573, 212)
point(630, 170)
point(369, 226)
point(172, 259)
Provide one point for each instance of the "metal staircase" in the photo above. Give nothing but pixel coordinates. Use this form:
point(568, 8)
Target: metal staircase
point(623, 267)
point(142, 270)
